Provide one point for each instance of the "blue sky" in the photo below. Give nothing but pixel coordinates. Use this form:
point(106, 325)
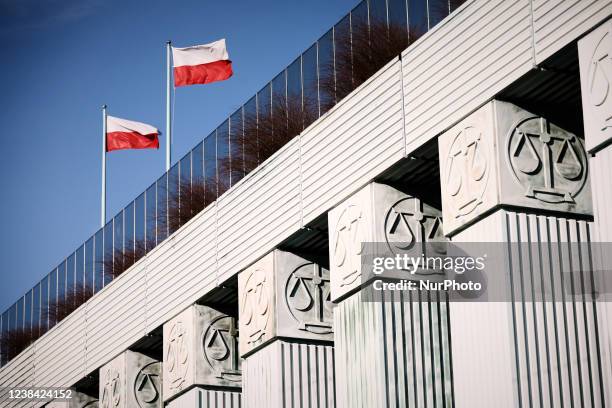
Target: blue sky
point(62, 59)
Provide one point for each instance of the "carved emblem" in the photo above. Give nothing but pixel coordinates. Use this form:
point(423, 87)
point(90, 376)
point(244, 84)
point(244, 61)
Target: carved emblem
point(598, 85)
point(308, 298)
point(408, 222)
point(146, 385)
point(347, 247)
point(111, 393)
point(177, 356)
point(467, 171)
point(548, 161)
point(255, 306)
point(220, 347)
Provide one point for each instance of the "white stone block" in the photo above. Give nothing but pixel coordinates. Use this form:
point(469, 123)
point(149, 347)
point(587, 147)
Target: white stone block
point(381, 214)
point(131, 380)
point(200, 348)
point(283, 295)
point(595, 55)
point(502, 155)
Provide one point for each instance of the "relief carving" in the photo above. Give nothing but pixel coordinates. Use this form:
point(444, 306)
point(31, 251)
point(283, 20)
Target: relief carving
point(598, 81)
point(220, 348)
point(347, 247)
point(177, 356)
point(467, 171)
point(549, 162)
point(255, 306)
point(147, 385)
point(111, 393)
point(308, 298)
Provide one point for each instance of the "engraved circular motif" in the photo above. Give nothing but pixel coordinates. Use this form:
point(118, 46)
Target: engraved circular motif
point(308, 298)
point(111, 393)
point(177, 356)
point(547, 161)
point(466, 174)
point(255, 306)
point(146, 385)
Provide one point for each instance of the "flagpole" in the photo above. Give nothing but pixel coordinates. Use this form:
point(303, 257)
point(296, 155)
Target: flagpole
point(103, 203)
point(168, 111)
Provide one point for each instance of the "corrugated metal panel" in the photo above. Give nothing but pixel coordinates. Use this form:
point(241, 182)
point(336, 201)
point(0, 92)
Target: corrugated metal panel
point(19, 372)
point(601, 169)
point(116, 317)
point(60, 357)
point(556, 23)
point(260, 212)
point(394, 353)
point(557, 354)
point(462, 63)
point(547, 352)
point(285, 374)
point(182, 269)
point(203, 398)
point(353, 143)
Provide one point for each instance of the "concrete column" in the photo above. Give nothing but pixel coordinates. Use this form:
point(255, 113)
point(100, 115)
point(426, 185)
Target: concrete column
point(286, 333)
point(77, 400)
point(391, 353)
point(595, 55)
point(201, 363)
point(512, 177)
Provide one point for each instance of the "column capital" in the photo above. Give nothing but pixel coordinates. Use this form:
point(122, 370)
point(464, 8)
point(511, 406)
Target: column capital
point(380, 214)
point(200, 349)
point(503, 155)
point(283, 295)
point(131, 380)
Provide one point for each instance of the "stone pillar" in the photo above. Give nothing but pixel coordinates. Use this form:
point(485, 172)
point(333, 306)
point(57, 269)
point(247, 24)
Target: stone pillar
point(131, 380)
point(77, 400)
point(595, 55)
point(395, 352)
point(511, 177)
point(286, 333)
point(201, 361)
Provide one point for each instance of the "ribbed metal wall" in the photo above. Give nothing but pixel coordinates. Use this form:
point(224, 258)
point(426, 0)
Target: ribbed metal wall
point(552, 346)
point(284, 374)
point(53, 368)
point(600, 170)
point(558, 22)
point(115, 317)
point(203, 398)
point(463, 62)
point(19, 372)
point(360, 137)
point(182, 270)
point(393, 354)
point(272, 193)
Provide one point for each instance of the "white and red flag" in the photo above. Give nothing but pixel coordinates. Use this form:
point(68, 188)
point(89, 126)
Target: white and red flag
point(201, 64)
point(127, 134)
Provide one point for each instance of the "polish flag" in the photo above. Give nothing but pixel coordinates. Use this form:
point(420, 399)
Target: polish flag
point(126, 134)
point(201, 64)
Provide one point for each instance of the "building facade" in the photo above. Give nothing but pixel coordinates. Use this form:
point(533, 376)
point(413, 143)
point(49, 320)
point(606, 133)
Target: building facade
point(491, 126)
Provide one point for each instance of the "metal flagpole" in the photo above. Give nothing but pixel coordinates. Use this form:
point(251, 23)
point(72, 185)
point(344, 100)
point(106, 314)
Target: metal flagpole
point(103, 204)
point(168, 112)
